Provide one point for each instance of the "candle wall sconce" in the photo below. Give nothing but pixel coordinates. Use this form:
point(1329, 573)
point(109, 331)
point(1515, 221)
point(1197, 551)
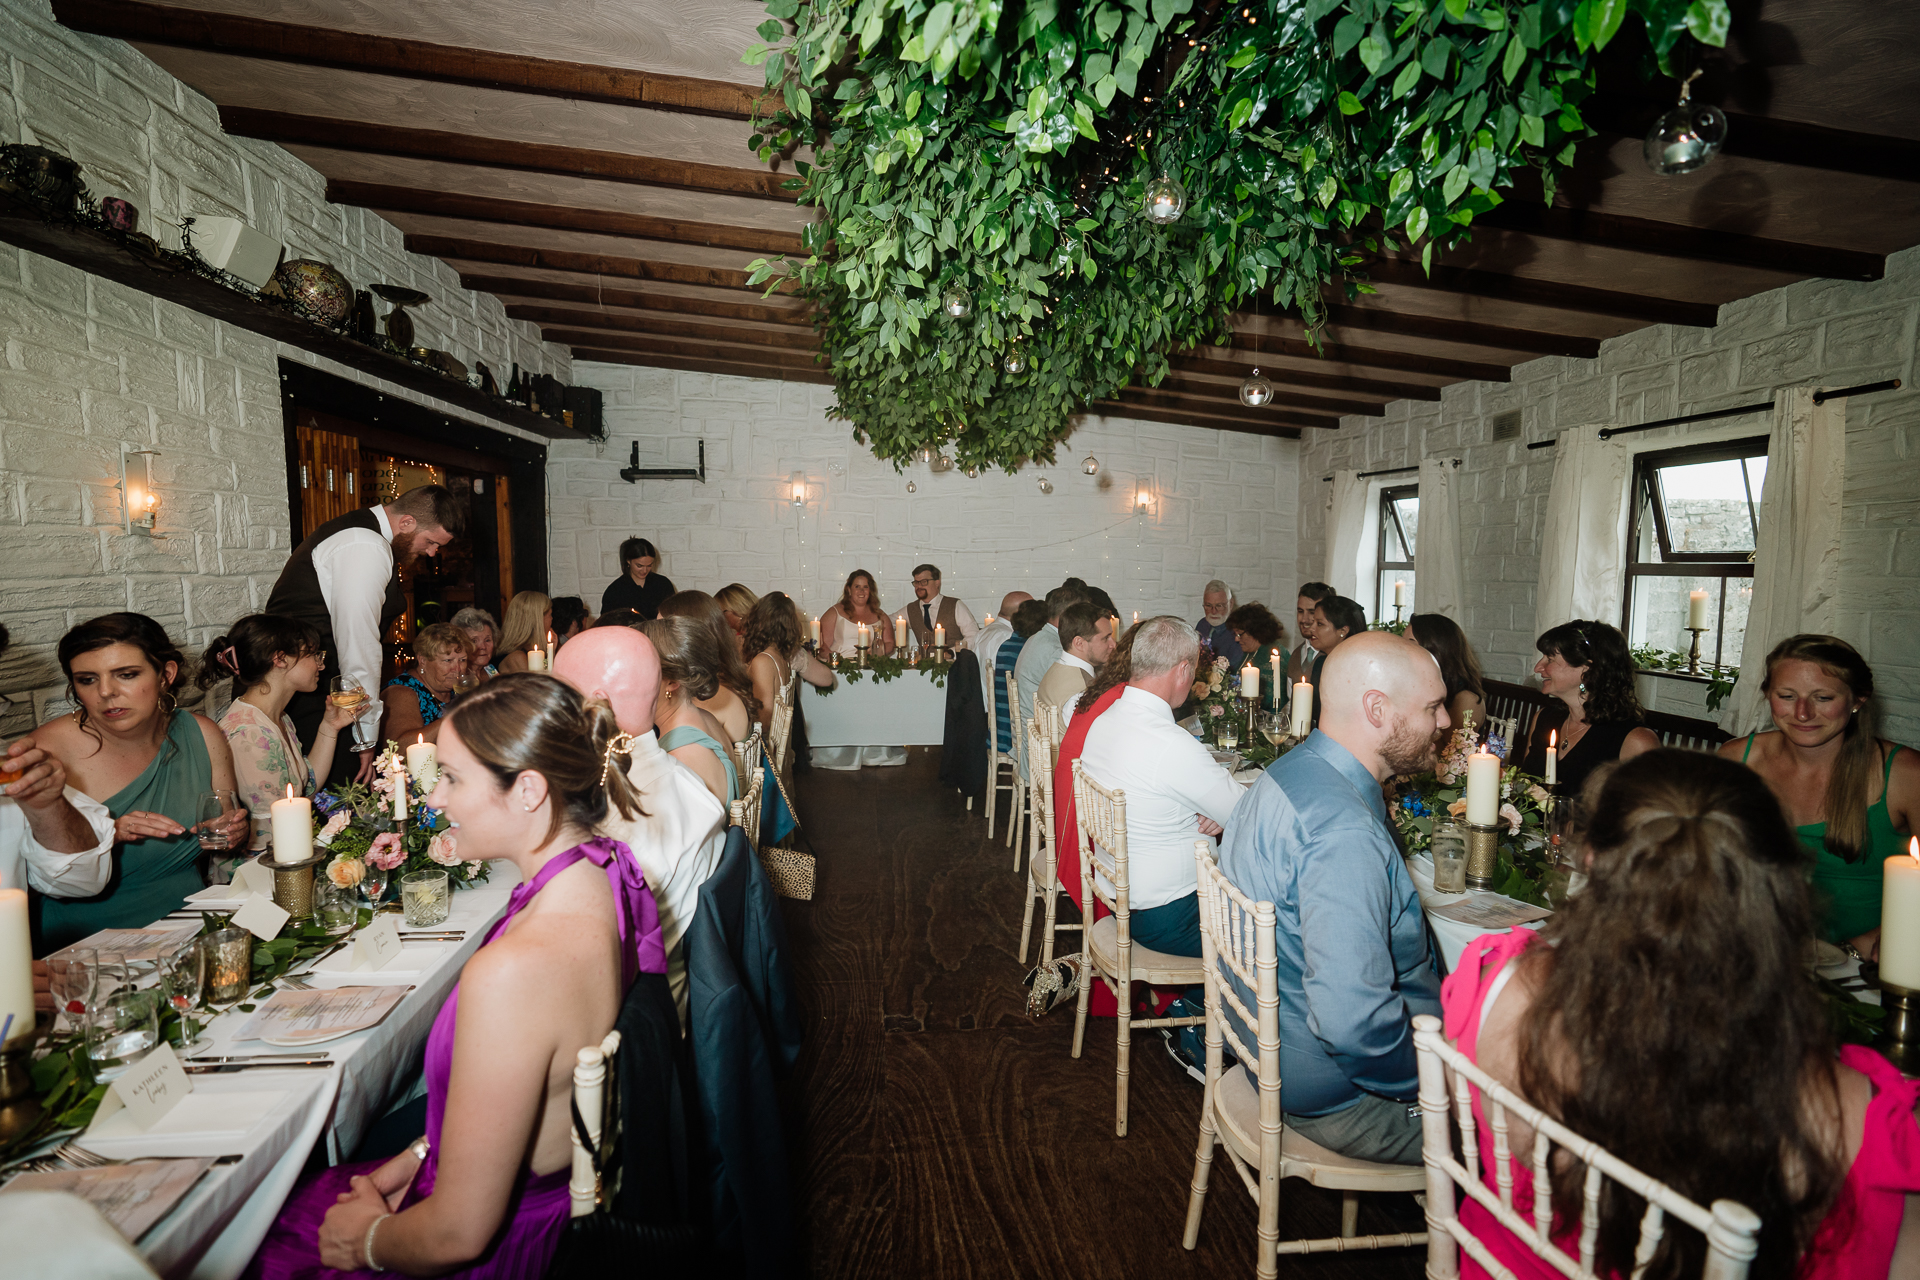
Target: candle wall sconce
point(1143, 501)
point(136, 490)
point(797, 488)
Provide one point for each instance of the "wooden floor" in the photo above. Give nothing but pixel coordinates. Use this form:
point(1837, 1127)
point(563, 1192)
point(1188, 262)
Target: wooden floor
point(947, 1134)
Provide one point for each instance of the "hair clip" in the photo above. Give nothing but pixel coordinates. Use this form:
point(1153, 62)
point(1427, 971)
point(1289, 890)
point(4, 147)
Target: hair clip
point(229, 658)
point(621, 744)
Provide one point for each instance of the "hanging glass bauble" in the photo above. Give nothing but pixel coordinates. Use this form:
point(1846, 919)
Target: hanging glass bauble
point(1046, 485)
point(941, 462)
point(973, 473)
point(1685, 138)
point(1256, 390)
point(1090, 465)
point(1015, 363)
point(1166, 200)
point(957, 302)
point(912, 487)
point(925, 454)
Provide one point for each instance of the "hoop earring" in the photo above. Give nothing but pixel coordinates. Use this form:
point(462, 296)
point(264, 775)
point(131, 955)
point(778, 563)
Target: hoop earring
point(168, 702)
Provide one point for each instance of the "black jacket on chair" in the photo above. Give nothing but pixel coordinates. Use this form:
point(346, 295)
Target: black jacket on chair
point(963, 753)
point(745, 1034)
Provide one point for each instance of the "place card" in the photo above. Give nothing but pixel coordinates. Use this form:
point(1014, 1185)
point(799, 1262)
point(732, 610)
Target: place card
point(251, 878)
point(293, 1017)
point(131, 1196)
point(261, 916)
point(377, 945)
point(152, 1087)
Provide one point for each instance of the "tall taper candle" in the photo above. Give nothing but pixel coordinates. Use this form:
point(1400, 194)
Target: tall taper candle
point(900, 632)
point(1399, 594)
point(1483, 789)
point(814, 627)
point(399, 777)
point(1553, 758)
point(1900, 919)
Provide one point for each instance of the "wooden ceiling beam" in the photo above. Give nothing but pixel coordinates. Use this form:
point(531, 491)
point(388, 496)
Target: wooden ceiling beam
point(1227, 395)
point(1543, 293)
point(243, 37)
point(692, 350)
point(591, 264)
point(599, 295)
point(1469, 333)
point(700, 364)
point(288, 129)
point(1253, 345)
point(1144, 413)
point(786, 337)
point(1216, 412)
point(526, 213)
point(1674, 240)
point(1289, 376)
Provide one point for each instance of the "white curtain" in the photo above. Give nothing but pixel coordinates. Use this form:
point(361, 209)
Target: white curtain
point(1583, 545)
point(1347, 525)
point(1439, 583)
point(1796, 562)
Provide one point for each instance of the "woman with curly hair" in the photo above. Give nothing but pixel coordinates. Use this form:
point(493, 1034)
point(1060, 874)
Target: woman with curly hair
point(1586, 665)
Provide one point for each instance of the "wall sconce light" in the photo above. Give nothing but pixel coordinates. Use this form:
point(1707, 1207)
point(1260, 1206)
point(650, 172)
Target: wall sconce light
point(136, 489)
point(1142, 501)
point(797, 487)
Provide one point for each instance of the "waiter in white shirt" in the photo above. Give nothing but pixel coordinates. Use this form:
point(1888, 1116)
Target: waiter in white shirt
point(930, 609)
point(344, 579)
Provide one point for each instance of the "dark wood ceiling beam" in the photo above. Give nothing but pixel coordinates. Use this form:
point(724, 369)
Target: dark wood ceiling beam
point(1469, 333)
point(1227, 395)
point(600, 295)
point(237, 36)
point(1174, 417)
point(1228, 411)
point(526, 213)
point(1253, 345)
point(786, 337)
point(1673, 240)
point(592, 264)
point(1772, 140)
point(693, 350)
point(1543, 293)
point(1290, 376)
point(359, 136)
point(700, 364)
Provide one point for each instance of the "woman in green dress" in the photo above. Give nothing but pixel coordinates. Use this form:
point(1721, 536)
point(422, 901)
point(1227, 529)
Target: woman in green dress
point(1851, 795)
point(129, 745)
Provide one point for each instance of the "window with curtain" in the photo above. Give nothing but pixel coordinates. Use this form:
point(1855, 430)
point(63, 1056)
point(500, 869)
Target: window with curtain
point(1399, 530)
point(1695, 519)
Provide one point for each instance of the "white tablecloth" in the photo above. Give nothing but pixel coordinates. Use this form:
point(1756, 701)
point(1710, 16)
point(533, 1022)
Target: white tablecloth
point(214, 1232)
point(1452, 936)
point(868, 722)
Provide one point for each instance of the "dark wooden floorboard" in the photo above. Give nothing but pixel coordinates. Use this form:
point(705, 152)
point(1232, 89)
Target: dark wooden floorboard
point(946, 1134)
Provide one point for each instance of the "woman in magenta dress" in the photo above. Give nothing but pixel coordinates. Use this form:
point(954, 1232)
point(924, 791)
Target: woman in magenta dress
point(524, 775)
point(1664, 1014)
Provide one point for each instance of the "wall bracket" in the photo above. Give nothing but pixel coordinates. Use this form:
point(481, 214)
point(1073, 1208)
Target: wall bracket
point(633, 472)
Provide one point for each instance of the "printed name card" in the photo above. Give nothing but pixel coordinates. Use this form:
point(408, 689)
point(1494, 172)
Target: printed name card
point(251, 878)
point(377, 945)
point(154, 1086)
point(261, 917)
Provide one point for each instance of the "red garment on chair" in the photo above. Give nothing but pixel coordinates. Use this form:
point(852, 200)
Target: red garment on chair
point(1066, 843)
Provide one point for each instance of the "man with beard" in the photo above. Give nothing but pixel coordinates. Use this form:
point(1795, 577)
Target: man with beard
point(1311, 837)
point(345, 580)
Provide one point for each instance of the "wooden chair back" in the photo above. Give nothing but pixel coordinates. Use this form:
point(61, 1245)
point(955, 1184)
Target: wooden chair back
point(1685, 732)
point(1732, 1230)
point(780, 735)
point(590, 1097)
point(746, 755)
point(1518, 703)
point(1101, 815)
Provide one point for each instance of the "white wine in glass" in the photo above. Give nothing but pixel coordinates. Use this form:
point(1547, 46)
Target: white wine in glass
point(345, 692)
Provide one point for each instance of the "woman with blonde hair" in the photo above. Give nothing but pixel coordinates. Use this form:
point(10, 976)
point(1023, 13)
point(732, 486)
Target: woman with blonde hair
point(418, 698)
point(529, 623)
point(1851, 794)
point(736, 602)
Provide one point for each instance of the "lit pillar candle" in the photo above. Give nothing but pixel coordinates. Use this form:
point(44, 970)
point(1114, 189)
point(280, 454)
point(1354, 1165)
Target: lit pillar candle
point(1553, 757)
point(814, 628)
point(1900, 919)
point(16, 964)
point(1483, 789)
point(866, 637)
point(423, 761)
point(1697, 611)
point(536, 659)
point(1399, 594)
point(1301, 722)
point(292, 820)
point(939, 637)
point(1250, 681)
point(900, 632)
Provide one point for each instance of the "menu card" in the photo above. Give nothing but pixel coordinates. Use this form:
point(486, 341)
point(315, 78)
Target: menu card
point(307, 1017)
point(1490, 911)
point(131, 1196)
point(123, 945)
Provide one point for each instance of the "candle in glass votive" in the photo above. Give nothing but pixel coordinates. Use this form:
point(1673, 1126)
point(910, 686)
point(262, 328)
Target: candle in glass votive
point(1900, 919)
point(1300, 723)
point(1250, 681)
point(900, 632)
point(1697, 611)
point(422, 760)
point(292, 821)
point(1483, 789)
point(1553, 758)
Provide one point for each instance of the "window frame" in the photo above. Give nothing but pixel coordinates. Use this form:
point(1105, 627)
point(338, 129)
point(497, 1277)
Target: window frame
point(1389, 495)
point(1687, 564)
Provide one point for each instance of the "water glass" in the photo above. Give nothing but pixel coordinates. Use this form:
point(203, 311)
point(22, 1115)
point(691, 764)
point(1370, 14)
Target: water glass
point(215, 821)
point(426, 898)
point(1449, 852)
point(338, 909)
point(182, 978)
point(1227, 734)
point(71, 976)
point(121, 1028)
point(229, 965)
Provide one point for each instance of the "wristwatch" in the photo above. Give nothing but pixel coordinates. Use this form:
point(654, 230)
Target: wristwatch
point(420, 1147)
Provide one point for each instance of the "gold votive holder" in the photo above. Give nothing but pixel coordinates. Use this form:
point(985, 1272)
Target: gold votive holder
point(293, 883)
point(1483, 855)
point(1900, 1034)
point(229, 964)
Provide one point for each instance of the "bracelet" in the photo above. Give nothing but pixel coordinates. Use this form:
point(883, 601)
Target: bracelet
point(368, 1251)
point(326, 733)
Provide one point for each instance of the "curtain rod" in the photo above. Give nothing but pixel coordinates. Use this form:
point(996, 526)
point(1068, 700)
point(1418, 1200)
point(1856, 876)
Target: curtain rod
point(1819, 397)
point(1394, 471)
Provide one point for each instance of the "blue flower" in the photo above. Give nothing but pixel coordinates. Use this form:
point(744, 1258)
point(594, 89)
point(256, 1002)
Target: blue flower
point(1415, 805)
point(326, 802)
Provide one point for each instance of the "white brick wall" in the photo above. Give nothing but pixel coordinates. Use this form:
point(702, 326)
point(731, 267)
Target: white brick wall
point(1826, 332)
point(88, 365)
point(1223, 504)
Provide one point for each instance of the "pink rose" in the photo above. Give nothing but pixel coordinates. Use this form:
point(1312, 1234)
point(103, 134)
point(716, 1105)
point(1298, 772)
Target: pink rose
point(387, 851)
point(473, 868)
point(1216, 710)
point(346, 872)
point(1510, 816)
point(441, 849)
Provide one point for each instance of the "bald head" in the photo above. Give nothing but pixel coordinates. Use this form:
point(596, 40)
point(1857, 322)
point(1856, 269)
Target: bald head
point(1011, 601)
point(618, 664)
point(1383, 699)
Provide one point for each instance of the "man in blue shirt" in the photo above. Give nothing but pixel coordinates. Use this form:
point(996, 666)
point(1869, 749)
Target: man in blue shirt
point(1217, 602)
point(1311, 837)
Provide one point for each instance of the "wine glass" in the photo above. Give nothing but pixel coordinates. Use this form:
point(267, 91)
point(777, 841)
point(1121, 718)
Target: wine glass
point(182, 977)
point(71, 976)
point(345, 692)
point(214, 824)
point(1272, 726)
point(373, 886)
point(463, 684)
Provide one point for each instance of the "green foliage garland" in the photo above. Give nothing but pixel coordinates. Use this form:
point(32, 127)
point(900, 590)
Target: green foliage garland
point(1005, 150)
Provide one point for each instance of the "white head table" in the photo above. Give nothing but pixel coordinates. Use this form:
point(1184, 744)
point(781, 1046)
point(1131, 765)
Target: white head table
point(870, 723)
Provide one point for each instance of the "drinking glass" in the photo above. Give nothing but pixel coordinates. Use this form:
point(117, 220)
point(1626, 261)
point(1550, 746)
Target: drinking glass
point(465, 683)
point(182, 977)
point(229, 965)
point(1272, 726)
point(345, 691)
point(1228, 733)
point(1449, 852)
point(336, 908)
point(426, 898)
point(120, 1030)
point(215, 820)
point(71, 976)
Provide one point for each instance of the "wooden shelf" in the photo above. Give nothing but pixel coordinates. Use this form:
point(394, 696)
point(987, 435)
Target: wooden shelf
point(104, 253)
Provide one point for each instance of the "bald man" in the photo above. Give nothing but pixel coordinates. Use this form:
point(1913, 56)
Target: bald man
point(1311, 837)
point(990, 637)
point(679, 839)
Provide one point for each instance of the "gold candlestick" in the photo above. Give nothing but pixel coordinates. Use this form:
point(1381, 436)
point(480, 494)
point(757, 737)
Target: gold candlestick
point(1900, 1033)
point(1693, 655)
point(293, 883)
point(19, 1111)
point(1483, 855)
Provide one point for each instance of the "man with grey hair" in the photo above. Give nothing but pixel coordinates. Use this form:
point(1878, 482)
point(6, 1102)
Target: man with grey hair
point(1175, 791)
point(1311, 837)
point(1217, 602)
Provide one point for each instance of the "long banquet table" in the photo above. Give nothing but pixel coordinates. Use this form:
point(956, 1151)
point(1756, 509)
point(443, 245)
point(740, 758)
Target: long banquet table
point(909, 711)
point(212, 1233)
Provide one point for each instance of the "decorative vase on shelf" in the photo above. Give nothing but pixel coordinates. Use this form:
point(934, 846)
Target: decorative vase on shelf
point(316, 288)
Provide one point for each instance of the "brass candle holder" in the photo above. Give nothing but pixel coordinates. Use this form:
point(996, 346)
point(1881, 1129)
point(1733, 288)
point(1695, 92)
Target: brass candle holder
point(1693, 654)
point(1483, 855)
point(1900, 1033)
point(293, 883)
point(19, 1110)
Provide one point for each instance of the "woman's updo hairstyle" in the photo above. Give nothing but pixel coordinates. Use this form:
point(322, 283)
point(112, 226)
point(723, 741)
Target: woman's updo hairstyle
point(689, 654)
point(245, 654)
point(532, 723)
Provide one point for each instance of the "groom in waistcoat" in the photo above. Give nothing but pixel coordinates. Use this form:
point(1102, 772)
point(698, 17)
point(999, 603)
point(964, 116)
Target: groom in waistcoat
point(345, 580)
point(930, 609)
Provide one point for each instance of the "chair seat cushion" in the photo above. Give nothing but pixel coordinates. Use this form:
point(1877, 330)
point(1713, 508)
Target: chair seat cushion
point(1156, 967)
point(1237, 1110)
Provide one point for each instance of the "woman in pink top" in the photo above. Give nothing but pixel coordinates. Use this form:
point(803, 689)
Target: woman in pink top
point(1671, 1020)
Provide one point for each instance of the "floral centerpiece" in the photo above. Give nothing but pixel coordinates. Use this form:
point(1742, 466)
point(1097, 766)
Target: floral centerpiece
point(1418, 802)
point(358, 827)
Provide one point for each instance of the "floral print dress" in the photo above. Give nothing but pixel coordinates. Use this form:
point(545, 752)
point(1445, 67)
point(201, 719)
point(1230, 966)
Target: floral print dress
point(266, 759)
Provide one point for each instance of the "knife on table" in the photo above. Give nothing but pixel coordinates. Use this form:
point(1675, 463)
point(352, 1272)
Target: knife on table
point(229, 1067)
point(215, 1059)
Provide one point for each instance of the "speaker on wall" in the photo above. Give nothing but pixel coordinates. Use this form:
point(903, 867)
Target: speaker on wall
point(584, 404)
